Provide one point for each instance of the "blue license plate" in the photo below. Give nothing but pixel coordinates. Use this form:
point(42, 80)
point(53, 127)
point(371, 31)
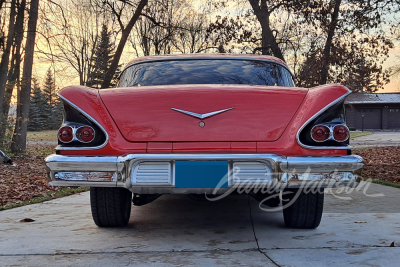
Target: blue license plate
point(201, 174)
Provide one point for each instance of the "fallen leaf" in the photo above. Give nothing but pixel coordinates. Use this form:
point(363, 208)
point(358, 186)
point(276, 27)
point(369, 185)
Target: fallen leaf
point(27, 220)
point(376, 168)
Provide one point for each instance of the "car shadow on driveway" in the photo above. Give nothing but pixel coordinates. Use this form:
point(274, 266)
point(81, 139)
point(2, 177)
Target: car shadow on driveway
point(178, 230)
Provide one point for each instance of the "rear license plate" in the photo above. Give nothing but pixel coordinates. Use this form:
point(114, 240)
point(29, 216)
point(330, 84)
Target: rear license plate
point(201, 174)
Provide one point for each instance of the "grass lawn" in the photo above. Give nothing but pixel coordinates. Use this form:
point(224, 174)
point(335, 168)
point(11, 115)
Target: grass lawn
point(354, 134)
point(49, 135)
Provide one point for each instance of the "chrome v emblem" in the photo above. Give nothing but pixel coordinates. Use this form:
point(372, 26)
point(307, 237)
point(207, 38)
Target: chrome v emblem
point(201, 116)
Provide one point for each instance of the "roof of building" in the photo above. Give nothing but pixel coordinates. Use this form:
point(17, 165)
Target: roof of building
point(363, 98)
point(205, 56)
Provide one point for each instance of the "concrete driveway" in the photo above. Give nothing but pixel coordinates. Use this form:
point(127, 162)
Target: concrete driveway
point(179, 231)
point(376, 139)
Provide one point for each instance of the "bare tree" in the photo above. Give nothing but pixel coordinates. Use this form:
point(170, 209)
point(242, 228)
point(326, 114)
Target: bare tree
point(263, 10)
point(21, 128)
point(125, 31)
point(5, 60)
point(70, 34)
point(192, 36)
point(14, 66)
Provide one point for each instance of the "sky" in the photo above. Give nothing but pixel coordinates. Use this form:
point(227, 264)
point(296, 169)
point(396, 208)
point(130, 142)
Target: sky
point(394, 85)
point(40, 69)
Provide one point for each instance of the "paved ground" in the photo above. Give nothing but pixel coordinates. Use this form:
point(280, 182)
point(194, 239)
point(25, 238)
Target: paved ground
point(376, 139)
point(176, 230)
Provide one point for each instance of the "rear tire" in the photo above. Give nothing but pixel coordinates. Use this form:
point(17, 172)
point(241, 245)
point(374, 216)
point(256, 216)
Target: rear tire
point(305, 212)
point(111, 207)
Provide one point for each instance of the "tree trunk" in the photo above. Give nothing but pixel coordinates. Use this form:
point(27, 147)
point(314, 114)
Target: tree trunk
point(5, 60)
point(328, 44)
point(14, 72)
point(268, 39)
point(125, 34)
point(20, 132)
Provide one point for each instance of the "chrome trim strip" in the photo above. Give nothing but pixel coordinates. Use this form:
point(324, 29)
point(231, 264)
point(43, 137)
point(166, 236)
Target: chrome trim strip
point(83, 183)
point(313, 117)
point(157, 157)
point(201, 116)
point(91, 119)
point(81, 163)
point(323, 164)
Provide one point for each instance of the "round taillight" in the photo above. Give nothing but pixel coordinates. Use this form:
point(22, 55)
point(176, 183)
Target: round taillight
point(85, 134)
point(340, 133)
point(320, 133)
point(66, 134)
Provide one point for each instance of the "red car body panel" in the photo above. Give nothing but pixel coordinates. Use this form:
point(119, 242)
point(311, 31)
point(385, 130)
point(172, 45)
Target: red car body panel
point(314, 100)
point(144, 114)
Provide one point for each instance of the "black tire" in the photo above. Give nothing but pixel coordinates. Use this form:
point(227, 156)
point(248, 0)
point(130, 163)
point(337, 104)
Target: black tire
point(305, 212)
point(111, 207)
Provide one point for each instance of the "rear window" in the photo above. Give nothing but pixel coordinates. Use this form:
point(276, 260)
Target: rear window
point(206, 71)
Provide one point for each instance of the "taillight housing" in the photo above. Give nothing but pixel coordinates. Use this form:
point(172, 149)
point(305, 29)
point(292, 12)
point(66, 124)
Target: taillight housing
point(341, 133)
point(79, 130)
point(326, 129)
point(320, 133)
point(85, 134)
point(66, 134)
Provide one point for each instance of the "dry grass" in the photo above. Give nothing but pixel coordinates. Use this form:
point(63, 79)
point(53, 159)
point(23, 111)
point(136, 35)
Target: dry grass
point(49, 135)
point(359, 134)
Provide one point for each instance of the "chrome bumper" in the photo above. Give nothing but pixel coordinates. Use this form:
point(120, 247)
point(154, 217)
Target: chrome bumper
point(136, 171)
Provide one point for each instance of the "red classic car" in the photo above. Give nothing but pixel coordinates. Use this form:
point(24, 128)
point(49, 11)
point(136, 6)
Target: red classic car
point(205, 124)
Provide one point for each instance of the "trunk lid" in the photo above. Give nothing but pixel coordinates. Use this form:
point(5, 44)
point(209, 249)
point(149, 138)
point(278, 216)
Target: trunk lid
point(257, 113)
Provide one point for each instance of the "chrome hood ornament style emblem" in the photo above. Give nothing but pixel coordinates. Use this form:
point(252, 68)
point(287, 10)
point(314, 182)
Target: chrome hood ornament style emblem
point(201, 116)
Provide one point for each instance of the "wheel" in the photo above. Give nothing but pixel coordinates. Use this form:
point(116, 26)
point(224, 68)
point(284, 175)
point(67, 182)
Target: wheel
point(110, 206)
point(306, 210)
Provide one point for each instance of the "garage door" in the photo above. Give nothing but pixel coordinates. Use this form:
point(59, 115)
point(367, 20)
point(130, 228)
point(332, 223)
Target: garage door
point(372, 118)
point(394, 118)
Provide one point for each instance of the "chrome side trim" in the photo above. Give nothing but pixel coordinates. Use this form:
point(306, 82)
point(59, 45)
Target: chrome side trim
point(313, 117)
point(91, 119)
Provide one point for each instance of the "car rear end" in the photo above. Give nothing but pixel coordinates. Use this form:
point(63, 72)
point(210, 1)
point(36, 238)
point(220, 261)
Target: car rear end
point(176, 136)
